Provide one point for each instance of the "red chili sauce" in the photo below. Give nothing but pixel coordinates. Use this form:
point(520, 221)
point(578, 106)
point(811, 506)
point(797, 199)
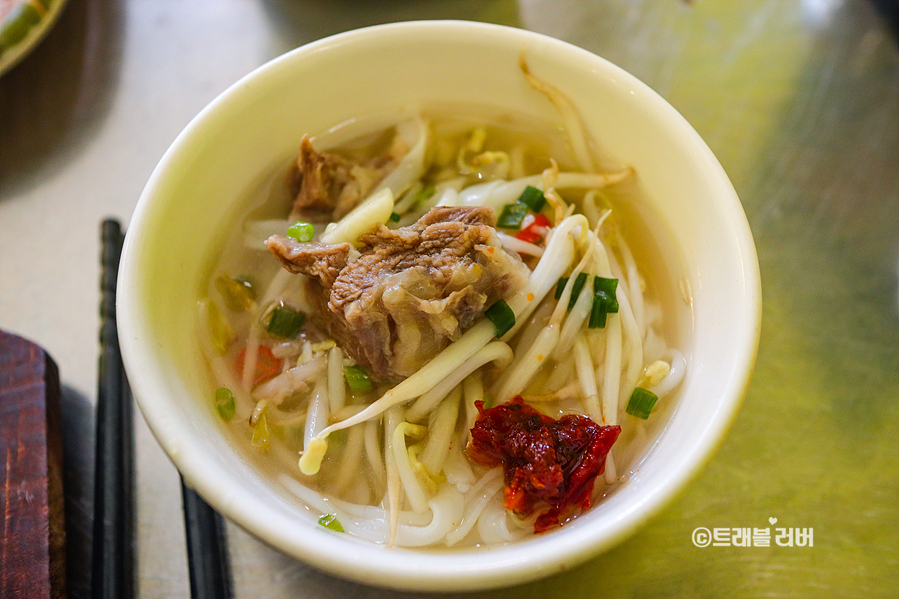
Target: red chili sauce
point(545, 461)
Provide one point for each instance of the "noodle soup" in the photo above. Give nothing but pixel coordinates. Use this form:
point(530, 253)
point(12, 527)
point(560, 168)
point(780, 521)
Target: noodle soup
point(371, 399)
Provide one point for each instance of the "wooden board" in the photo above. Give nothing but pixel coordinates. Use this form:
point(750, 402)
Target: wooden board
point(32, 536)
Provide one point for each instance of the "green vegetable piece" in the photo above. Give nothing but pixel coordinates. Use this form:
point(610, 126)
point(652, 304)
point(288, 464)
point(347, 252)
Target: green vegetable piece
point(17, 24)
point(285, 322)
point(607, 288)
point(224, 403)
point(560, 287)
point(261, 432)
point(576, 289)
point(641, 403)
point(301, 231)
point(488, 401)
point(423, 195)
point(394, 217)
point(239, 293)
point(598, 312)
point(533, 198)
point(330, 522)
point(502, 317)
point(511, 216)
point(358, 379)
point(219, 330)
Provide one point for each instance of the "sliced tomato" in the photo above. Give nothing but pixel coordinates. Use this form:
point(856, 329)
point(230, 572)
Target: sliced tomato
point(267, 365)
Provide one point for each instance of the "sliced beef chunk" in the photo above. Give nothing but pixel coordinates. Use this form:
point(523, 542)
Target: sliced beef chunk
point(412, 290)
point(330, 184)
point(321, 260)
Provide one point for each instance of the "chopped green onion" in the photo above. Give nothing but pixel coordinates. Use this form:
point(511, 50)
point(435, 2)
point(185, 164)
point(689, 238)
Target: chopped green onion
point(533, 198)
point(422, 195)
point(576, 289)
point(502, 317)
point(641, 403)
point(511, 216)
point(224, 403)
point(301, 231)
point(598, 312)
point(606, 288)
point(238, 293)
point(394, 217)
point(261, 432)
point(330, 522)
point(357, 379)
point(560, 287)
point(285, 322)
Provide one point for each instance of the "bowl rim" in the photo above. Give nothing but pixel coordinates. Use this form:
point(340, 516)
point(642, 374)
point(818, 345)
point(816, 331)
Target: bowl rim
point(462, 570)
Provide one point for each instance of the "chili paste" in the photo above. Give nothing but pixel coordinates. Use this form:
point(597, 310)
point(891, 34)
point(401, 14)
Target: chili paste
point(546, 462)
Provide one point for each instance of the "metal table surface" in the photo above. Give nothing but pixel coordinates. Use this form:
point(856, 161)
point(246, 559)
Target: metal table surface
point(799, 99)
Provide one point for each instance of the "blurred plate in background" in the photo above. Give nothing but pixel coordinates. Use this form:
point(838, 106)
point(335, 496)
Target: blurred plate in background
point(23, 24)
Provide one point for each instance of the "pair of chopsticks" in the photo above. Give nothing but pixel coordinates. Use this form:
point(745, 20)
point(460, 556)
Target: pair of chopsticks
point(113, 554)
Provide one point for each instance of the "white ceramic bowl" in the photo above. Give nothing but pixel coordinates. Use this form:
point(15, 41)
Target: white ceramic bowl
point(254, 126)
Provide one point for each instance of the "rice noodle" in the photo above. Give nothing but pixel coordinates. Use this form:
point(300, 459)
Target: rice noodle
point(457, 468)
point(485, 489)
point(446, 510)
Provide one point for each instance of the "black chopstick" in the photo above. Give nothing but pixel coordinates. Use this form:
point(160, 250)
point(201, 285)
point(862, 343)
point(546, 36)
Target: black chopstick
point(113, 557)
point(113, 553)
point(206, 555)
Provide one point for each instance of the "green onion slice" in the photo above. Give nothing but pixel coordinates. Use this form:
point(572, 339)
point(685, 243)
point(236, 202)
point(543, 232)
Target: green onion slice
point(560, 287)
point(533, 198)
point(301, 231)
point(358, 379)
point(224, 403)
point(394, 217)
point(502, 317)
point(330, 522)
point(285, 322)
point(606, 288)
point(511, 216)
point(422, 195)
point(641, 403)
point(576, 289)
point(598, 312)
